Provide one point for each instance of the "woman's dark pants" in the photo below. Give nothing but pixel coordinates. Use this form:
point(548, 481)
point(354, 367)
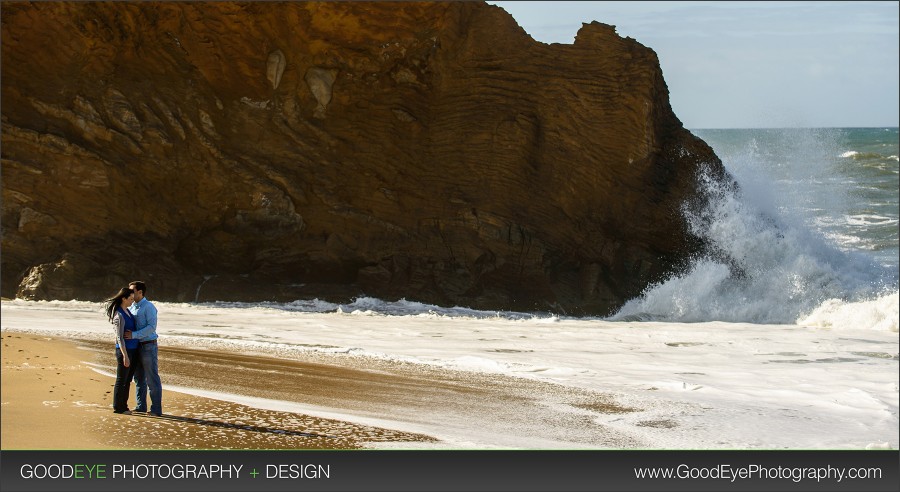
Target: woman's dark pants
point(124, 375)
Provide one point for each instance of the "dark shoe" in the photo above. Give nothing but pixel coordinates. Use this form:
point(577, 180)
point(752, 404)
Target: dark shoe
point(124, 412)
point(141, 410)
point(155, 414)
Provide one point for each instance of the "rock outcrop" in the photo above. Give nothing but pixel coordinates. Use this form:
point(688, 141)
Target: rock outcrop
point(279, 151)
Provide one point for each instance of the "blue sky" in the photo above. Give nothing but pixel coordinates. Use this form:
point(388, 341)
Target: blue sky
point(753, 64)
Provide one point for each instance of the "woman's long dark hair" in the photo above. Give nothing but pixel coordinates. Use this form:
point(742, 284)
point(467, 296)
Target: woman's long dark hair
point(112, 302)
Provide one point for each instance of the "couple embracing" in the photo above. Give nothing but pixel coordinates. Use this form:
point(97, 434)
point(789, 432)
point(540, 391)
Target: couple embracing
point(137, 355)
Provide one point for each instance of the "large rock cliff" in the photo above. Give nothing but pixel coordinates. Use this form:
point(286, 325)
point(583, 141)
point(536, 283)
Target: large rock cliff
point(280, 151)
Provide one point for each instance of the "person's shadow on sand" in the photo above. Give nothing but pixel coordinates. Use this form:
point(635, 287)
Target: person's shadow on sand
point(226, 425)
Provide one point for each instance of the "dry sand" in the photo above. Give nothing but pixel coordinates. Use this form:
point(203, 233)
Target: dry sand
point(52, 399)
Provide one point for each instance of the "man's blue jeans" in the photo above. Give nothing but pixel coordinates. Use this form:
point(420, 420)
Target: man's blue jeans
point(147, 377)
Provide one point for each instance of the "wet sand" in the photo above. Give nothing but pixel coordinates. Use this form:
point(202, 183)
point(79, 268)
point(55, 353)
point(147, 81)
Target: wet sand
point(63, 388)
point(52, 399)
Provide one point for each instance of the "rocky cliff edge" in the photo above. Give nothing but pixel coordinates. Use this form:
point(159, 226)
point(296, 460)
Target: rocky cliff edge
point(281, 151)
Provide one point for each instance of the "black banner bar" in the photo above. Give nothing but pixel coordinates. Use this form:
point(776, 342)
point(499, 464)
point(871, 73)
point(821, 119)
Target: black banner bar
point(440, 470)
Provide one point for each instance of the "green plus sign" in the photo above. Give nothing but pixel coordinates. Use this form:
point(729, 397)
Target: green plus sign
point(254, 473)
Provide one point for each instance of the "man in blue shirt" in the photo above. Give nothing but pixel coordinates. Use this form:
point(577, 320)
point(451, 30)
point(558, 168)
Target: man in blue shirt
point(147, 375)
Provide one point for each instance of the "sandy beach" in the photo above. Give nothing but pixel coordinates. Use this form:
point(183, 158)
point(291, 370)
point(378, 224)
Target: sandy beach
point(53, 399)
point(57, 394)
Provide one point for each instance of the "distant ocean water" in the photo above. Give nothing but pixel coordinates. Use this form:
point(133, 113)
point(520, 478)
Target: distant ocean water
point(842, 182)
point(811, 237)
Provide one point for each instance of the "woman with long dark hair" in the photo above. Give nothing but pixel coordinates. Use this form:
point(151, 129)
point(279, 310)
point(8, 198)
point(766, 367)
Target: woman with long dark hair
point(127, 357)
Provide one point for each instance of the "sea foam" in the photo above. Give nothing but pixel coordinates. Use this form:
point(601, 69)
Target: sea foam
point(880, 314)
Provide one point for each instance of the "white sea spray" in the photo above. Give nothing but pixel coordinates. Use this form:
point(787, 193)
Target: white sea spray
point(766, 261)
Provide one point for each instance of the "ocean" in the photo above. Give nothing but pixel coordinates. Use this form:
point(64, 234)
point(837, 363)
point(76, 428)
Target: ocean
point(783, 336)
point(814, 225)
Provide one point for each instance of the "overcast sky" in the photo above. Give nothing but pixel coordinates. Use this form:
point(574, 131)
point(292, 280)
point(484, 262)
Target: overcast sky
point(753, 64)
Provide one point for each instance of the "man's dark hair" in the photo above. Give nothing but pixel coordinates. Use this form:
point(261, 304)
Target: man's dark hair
point(138, 285)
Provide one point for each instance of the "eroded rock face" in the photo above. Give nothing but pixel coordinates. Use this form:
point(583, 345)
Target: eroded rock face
point(263, 150)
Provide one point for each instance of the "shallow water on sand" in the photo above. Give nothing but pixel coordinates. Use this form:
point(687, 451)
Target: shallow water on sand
point(529, 383)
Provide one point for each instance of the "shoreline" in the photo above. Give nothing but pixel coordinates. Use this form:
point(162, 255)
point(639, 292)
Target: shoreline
point(52, 399)
point(224, 400)
point(471, 383)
